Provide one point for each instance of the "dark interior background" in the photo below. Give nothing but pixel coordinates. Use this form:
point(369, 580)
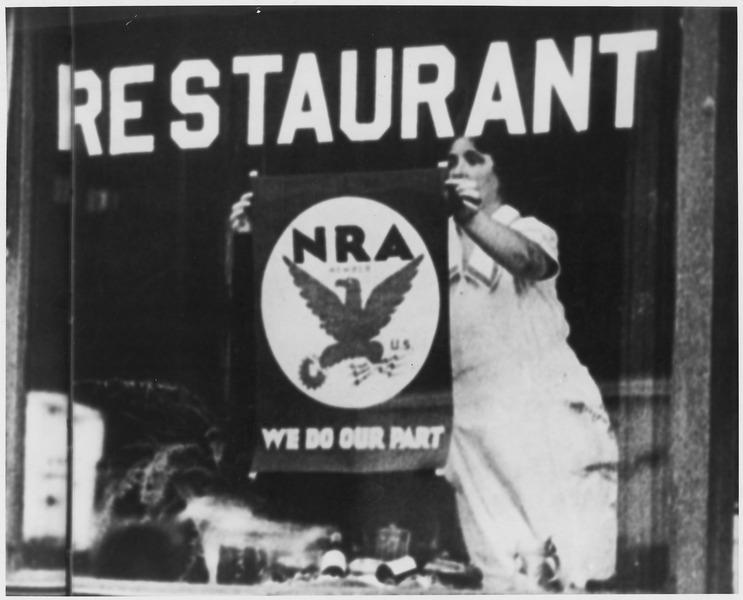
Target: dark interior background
point(151, 297)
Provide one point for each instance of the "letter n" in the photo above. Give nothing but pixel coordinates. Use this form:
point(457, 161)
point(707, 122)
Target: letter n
point(302, 243)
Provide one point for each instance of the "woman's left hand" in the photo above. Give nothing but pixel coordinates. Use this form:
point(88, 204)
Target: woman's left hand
point(240, 220)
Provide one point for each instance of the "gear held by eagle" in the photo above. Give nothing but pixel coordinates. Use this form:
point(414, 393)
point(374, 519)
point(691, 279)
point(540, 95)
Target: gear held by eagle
point(313, 378)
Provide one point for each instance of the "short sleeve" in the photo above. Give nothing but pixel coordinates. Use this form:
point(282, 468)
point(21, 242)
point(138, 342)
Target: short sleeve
point(539, 233)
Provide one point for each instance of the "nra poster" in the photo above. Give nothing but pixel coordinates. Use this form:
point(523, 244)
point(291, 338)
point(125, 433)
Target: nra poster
point(353, 370)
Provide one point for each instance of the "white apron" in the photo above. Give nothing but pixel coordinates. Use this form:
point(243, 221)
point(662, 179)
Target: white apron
point(532, 457)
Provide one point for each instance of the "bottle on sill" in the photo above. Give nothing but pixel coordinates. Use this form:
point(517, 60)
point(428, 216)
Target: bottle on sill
point(454, 573)
point(334, 562)
point(395, 571)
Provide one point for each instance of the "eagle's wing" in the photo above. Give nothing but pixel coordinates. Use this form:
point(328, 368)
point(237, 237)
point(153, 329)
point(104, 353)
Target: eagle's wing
point(387, 296)
point(325, 304)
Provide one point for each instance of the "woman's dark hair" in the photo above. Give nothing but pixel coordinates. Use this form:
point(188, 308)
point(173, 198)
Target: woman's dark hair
point(497, 147)
point(487, 143)
point(494, 140)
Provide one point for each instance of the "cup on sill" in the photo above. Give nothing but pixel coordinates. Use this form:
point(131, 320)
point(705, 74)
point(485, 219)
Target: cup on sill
point(392, 542)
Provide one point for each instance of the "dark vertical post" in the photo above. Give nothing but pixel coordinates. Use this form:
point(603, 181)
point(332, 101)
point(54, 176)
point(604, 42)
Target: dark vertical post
point(17, 262)
point(724, 387)
point(642, 558)
point(692, 352)
point(69, 557)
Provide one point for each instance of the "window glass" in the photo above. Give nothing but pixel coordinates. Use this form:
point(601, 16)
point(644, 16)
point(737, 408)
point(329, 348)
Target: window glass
point(137, 130)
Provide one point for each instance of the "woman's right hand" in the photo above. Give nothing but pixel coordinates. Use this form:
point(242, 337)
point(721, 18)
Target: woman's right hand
point(464, 198)
point(240, 219)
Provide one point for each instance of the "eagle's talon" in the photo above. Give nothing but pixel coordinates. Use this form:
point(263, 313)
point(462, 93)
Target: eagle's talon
point(357, 372)
point(359, 380)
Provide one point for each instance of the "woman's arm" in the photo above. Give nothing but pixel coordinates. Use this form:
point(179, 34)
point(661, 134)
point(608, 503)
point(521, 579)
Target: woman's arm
point(517, 253)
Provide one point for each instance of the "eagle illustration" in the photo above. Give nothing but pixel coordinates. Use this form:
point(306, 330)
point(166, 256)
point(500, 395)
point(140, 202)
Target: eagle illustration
point(352, 326)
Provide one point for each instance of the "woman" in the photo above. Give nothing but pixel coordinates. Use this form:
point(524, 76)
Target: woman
point(533, 457)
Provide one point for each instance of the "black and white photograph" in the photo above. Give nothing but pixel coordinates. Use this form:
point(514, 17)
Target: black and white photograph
point(385, 299)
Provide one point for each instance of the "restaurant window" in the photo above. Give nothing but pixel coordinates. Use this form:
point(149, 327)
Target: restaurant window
point(138, 308)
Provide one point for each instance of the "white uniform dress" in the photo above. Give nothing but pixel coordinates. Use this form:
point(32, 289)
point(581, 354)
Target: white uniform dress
point(533, 457)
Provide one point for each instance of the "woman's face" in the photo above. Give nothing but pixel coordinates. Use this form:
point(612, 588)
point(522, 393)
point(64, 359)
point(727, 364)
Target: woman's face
point(466, 161)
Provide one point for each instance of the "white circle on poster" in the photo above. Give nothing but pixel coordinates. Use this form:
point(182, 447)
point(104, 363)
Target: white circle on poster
point(350, 302)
